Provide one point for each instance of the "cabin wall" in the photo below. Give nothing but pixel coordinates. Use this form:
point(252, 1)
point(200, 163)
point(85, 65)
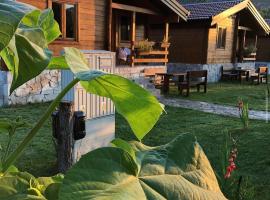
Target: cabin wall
point(187, 45)
point(263, 52)
point(216, 55)
point(92, 25)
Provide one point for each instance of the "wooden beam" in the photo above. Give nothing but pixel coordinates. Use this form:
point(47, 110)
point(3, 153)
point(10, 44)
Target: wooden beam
point(150, 60)
point(229, 12)
point(133, 37)
point(133, 9)
point(244, 28)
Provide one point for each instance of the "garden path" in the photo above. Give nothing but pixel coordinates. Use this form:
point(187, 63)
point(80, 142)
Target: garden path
point(212, 108)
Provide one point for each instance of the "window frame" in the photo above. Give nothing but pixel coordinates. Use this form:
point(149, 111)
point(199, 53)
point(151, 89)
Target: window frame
point(221, 42)
point(120, 24)
point(63, 3)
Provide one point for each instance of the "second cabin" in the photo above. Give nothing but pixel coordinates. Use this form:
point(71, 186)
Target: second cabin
point(218, 32)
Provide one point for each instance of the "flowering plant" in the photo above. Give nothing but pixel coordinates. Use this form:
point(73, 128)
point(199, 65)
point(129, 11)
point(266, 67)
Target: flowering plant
point(232, 165)
point(244, 113)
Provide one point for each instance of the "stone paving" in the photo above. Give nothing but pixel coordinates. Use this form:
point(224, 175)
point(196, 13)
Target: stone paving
point(212, 108)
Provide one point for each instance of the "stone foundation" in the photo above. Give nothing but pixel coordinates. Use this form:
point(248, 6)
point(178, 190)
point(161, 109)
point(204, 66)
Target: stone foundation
point(43, 88)
point(133, 72)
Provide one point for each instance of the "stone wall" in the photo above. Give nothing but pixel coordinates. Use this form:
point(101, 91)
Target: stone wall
point(43, 88)
point(214, 70)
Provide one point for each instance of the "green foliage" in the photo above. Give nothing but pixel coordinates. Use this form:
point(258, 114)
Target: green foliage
point(25, 35)
point(178, 170)
point(140, 108)
point(24, 186)
point(244, 113)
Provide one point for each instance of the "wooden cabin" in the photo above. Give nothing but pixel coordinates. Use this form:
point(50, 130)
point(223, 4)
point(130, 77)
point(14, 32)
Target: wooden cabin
point(263, 53)
point(123, 26)
point(217, 32)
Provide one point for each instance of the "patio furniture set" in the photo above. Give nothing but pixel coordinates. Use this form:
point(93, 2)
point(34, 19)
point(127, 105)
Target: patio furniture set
point(184, 81)
point(196, 79)
point(255, 76)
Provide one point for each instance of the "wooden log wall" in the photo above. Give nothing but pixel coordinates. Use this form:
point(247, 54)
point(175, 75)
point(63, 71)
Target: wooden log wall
point(216, 55)
point(92, 25)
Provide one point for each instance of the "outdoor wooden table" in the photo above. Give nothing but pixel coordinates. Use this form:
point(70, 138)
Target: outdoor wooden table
point(244, 72)
point(166, 79)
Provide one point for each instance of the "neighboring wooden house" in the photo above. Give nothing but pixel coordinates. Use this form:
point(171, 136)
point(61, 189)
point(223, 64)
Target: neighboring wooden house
point(263, 53)
point(217, 32)
point(114, 24)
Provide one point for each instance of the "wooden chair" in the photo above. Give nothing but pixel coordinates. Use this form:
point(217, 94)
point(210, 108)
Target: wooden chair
point(152, 74)
point(194, 79)
point(229, 73)
point(262, 73)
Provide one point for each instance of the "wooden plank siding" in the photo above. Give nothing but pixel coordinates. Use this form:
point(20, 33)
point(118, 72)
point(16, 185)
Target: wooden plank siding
point(263, 52)
point(92, 25)
point(188, 45)
point(216, 55)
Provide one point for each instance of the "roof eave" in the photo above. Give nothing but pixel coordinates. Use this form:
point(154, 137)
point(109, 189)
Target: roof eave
point(235, 9)
point(177, 8)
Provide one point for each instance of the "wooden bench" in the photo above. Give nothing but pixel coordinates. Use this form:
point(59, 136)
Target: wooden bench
point(262, 73)
point(229, 73)
point(152, 74)
point(194, 79)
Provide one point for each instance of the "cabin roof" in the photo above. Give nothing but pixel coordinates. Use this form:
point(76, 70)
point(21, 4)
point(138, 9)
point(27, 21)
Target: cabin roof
point(177, 8)
point(219, 10)
point(209, 9)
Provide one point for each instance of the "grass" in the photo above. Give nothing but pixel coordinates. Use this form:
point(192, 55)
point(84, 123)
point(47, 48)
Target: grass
point(253, 160)
point(39, 158)
point(227, 93)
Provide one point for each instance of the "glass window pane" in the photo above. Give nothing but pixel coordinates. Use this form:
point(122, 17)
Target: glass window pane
point(224, 37)
point(70, 21)
point(56, 7)
point(125, 28)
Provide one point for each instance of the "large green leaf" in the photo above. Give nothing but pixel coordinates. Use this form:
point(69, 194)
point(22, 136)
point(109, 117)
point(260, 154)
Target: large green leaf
point(25, 37)
point(11, 15)
point(178, 170)
point(139, 107)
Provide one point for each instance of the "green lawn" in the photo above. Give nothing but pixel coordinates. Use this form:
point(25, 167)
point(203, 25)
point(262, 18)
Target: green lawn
point(39, 158)
point(227, 93)
point(253, 160)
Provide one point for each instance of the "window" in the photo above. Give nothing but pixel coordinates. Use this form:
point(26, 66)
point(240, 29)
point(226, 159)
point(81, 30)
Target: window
point(221, 38)
point(66, 14)
point(125, 28)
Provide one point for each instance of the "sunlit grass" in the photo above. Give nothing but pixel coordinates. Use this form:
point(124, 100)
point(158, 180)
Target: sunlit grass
point(228, 93)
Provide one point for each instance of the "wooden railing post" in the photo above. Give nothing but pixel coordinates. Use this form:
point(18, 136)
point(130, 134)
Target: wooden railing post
point(65, 140)
point(166, 39)
point(133, 37)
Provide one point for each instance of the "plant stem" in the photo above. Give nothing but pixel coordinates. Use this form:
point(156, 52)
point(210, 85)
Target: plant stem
point(8, 145)
point(15, 155)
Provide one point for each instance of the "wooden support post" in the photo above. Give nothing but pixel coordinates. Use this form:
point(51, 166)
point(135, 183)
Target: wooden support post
point(133, 37)
point(235, 39)
point(256, 40)
point(65, 140)
point(242, 45)
point(110, 25)
point(166, 37)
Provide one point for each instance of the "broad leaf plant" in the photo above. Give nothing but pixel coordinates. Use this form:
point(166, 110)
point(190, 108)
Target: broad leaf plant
point(179, 170)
